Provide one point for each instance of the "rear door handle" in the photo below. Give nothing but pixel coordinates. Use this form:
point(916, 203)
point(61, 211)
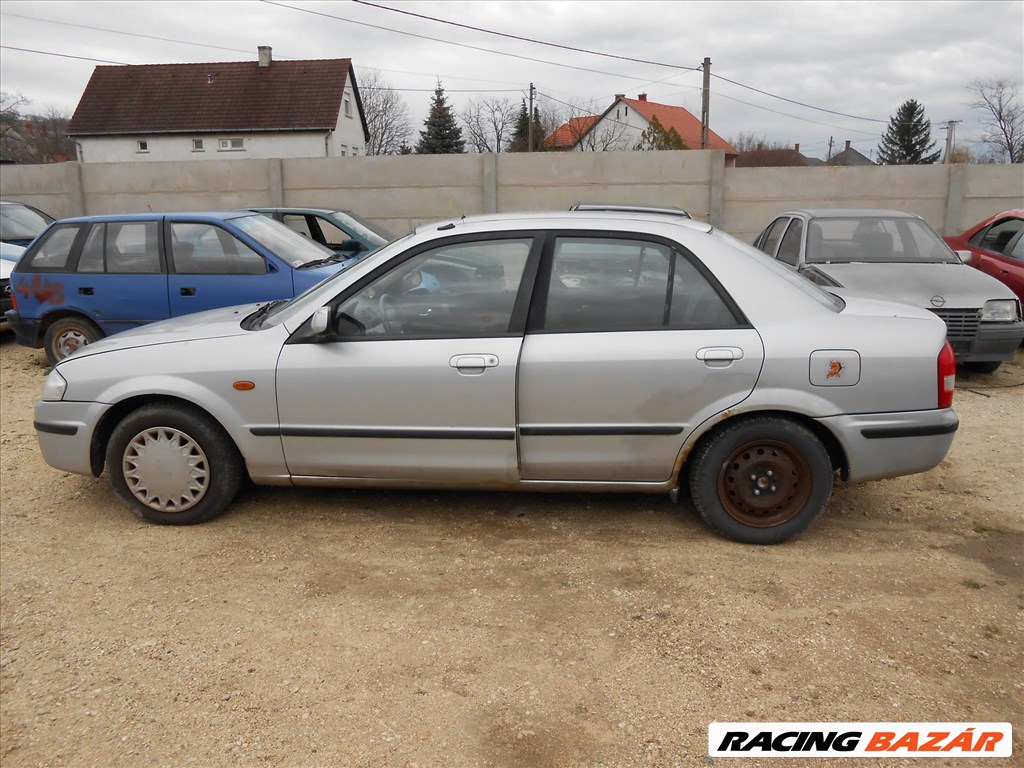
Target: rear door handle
point(478, 362)
point(188, 291)
point(719, 357)
point(86, 291)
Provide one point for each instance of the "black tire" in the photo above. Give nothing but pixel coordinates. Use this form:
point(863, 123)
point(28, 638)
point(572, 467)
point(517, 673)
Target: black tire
point(761, 480)
point(200, 469)
point(67, 335)
point(987, 367)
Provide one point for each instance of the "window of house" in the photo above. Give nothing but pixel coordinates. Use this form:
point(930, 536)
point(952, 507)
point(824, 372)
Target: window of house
point(600, 285)
point(348, 107)
point(343, 150)
point(197, 145)
point(355, 151)
point(616, 114)
point(231, 145)
point(142, 146)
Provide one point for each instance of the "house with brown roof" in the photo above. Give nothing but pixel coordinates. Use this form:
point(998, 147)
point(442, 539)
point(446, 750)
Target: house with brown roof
point(620, 127)
point(221, 110)
point(849, 156)
point(776, 158)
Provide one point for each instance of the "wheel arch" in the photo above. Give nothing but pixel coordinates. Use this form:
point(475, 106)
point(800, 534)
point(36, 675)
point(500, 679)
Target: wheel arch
point(61, 314)
point(837, 454)
point(117, 412)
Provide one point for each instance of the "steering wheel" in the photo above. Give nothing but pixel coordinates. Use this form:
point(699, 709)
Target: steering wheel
point(389, 313)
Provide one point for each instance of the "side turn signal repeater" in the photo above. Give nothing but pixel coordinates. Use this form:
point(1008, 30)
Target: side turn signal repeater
point(244, 386)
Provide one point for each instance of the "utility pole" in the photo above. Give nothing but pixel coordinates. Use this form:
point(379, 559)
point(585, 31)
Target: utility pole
point(950, 133)
point(529, 123)
point(829, 155)
point(705, 103)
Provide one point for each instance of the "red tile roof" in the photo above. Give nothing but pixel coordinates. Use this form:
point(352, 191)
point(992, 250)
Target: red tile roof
point(568, 134)
point(222, 96)
point(682, 120)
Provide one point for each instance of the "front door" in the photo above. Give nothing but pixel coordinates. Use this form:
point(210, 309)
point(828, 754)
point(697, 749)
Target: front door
point(416, 380)
point(631, 348)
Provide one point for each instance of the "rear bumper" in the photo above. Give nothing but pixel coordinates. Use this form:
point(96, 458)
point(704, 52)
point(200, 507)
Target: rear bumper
point(995, 341)
point(880, 445)
point(25, 331)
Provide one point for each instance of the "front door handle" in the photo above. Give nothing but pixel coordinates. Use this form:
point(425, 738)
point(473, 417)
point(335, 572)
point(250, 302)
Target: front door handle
point(473, 362)
point(188, 291)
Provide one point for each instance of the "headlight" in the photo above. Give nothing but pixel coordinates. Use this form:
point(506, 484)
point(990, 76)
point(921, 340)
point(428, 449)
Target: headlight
point(1000, 311)
point(54, 386)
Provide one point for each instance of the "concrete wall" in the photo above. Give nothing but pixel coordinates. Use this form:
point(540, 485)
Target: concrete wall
point(400, 192)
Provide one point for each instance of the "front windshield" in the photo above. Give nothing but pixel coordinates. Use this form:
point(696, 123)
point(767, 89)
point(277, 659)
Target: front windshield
point(373, 233)
point(876, 240)
point(18, 222)
point(282, 241)
point(326, 288)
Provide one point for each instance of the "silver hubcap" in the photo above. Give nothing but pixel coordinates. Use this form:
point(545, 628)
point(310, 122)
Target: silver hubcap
point(166, 469)
point(70, 341)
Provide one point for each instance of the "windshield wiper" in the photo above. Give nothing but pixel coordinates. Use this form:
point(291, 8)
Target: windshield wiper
point(256, 317)
point(328, 260)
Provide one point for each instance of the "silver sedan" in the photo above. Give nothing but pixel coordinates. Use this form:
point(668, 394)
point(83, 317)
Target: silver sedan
point(579, 351)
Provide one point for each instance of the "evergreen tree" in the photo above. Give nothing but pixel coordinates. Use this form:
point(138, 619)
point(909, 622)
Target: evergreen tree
point(441, 135)
point(656, 136)
point(521, 135)
point(908, 139)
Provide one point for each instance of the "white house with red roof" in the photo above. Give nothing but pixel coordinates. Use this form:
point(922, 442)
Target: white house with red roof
point(620, 127)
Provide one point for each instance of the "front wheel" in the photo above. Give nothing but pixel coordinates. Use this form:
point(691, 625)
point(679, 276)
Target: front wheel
point(67, 335)
point(761, 480)
point(172, 464)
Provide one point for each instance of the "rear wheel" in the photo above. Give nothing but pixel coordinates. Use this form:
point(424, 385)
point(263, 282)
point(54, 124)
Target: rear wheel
point(761, 480)
point(67, 335)
point(172, 464)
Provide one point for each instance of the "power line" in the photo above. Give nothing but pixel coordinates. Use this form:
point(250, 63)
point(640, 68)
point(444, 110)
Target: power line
point(526, 39)
point(608, 55)
point(450, 42)
point(63, 55)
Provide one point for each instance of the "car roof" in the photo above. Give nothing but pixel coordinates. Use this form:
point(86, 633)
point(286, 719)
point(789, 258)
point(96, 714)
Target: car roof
point(850, 213)
point(564, 220)
point(155, 215)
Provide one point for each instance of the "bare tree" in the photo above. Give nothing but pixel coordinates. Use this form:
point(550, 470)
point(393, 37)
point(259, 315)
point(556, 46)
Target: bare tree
point(32, 138)
point(1003, 121)
point(386, 113)
point(589, 135)
point(751, 142)
point(489, 123)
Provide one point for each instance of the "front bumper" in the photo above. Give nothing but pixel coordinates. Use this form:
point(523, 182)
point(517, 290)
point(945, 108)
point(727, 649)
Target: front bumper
point(995, 341)
point(26, 331)
point(880, 445)
point(65, 431)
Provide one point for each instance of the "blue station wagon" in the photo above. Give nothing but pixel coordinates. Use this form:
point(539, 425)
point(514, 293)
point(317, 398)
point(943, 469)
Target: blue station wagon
point(90, 277)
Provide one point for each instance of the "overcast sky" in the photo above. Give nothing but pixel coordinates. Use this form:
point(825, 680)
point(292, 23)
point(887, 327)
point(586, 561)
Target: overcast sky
point(858, 58)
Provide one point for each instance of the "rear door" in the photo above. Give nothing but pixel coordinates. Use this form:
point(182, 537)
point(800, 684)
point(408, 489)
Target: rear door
point(631, 344)
point(211, 267)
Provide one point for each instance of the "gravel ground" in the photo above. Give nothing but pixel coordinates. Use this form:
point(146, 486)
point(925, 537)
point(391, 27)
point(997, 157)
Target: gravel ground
point(370, 628)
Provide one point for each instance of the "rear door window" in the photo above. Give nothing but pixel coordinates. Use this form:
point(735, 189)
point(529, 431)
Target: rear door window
point(770, 239)
point(789, 248)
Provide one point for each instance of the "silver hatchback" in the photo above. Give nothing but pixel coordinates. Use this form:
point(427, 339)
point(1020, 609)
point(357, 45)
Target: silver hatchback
point(546, 352)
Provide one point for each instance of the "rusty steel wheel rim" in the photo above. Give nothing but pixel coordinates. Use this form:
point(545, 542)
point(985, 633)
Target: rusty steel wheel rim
point(764, 483)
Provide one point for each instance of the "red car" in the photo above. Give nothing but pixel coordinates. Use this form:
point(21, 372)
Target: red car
point(997, 248)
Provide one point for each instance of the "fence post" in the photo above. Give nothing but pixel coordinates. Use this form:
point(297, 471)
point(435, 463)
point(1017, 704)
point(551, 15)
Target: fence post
point(275, 182)
point(957, 182)
point(75, 193)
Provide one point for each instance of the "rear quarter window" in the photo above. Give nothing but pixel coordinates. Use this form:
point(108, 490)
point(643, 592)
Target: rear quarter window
point(54, 250)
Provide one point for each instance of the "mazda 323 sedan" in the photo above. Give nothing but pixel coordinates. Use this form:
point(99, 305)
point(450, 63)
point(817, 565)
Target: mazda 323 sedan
point(547, 352)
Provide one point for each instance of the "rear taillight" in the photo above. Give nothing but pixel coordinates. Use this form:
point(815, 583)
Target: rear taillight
point(947, 376)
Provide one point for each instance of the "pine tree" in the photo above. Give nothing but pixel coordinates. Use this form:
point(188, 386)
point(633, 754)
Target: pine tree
point(441, 135)
point(521, 135)
point(908, 139)
point(656, 136)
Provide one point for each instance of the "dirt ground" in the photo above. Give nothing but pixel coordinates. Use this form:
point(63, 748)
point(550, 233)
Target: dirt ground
point(369, 628)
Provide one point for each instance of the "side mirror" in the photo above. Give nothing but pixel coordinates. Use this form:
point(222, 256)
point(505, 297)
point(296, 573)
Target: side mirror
point(351, 245)
point(321, 319)
point(965, 256)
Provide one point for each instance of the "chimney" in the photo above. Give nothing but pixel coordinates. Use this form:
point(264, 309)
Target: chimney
point(796, 147)
point(265, 55)
point(619, 96)
point(847, 143)
point(760, 147)
point(642, 97)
